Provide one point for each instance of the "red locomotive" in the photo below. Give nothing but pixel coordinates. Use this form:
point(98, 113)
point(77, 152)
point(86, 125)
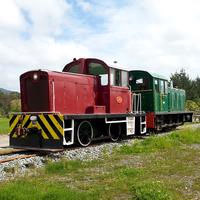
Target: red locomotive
point(87, 101)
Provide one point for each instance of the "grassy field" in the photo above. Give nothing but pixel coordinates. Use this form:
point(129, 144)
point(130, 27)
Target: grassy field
point(4, 125)
point(157, 168)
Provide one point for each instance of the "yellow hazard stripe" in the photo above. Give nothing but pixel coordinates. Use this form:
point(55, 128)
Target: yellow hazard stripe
point(51, 131)
point(44, 135)
point(12, 126)
point(61, 117)
point(26, 118)
point(58, 126)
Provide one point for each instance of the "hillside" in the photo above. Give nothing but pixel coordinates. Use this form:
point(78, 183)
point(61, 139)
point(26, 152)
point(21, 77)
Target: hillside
point(5, 91)
point(9, 102)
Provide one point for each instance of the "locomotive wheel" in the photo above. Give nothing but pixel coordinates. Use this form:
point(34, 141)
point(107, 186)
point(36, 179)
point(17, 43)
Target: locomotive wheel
point(84, 133)
point(114, 131)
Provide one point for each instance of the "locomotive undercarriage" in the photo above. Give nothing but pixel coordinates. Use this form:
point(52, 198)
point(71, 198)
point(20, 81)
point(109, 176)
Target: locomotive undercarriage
point(54, 131)
point(86, 130)
point(165, 121)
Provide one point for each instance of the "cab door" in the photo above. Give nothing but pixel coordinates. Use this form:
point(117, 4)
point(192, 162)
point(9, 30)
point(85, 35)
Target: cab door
point(100, 70)
point(120, 94)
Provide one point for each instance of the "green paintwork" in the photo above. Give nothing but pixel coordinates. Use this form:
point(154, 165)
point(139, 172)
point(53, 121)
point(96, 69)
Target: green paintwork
point(156, 97)
point(176, 98)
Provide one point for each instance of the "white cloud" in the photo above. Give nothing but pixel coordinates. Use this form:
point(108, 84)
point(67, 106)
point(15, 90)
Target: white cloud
point(10, 17)
point(156, 35)
point(43, 53)
point(151, 34)
point(47, 17)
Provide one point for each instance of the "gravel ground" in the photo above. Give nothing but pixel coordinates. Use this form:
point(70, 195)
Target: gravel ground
point(20, 167)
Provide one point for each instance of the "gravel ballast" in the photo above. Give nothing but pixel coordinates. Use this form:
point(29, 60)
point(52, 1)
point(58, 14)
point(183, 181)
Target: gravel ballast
point(20, 167)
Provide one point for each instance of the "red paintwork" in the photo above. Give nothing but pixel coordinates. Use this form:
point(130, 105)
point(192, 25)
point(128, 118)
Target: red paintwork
point(76, 93)
point(120, 99)
point(150, 119)
point(98, 109)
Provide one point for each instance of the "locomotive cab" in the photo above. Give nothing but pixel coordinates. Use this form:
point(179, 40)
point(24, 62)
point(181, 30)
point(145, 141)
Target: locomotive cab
point(112, 84)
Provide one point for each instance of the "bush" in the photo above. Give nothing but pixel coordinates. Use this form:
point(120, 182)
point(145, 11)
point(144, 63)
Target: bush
point(150, 191)
point(191, 106)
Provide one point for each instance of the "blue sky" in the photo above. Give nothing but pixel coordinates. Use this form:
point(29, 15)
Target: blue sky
point(161, 36)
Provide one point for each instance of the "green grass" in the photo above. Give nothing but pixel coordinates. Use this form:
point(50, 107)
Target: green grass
point(155, 143)
point(157, 168)
point(150, 190)
point(4, 125)
point(63, 167)
point(40, 190)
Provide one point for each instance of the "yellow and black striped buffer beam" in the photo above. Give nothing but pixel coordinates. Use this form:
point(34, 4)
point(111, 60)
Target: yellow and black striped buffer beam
point(50, 126)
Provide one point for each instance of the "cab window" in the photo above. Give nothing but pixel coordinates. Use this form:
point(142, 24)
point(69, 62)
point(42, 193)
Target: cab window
point(112, 76)
point(124, 78)
point(74, 68)
point(98, 69)
point(115, 77)
point(166, 87)
point(118, 77)
point(156, 85)
point(142, 84)
point(161, 86)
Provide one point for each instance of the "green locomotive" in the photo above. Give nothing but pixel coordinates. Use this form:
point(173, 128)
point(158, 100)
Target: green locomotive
point(163, 104)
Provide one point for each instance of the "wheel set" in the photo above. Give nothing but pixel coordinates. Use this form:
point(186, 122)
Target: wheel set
point(85, 132)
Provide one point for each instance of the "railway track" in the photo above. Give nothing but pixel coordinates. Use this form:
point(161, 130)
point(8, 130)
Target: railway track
point(8, 150)
point(8, 154)
point(17, 157)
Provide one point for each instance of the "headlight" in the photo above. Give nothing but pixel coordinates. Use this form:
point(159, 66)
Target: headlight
point(33, 119)
point(35, 77)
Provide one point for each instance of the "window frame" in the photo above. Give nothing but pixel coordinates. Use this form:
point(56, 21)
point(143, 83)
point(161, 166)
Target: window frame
point(162, 86)
point(156, 85)
point(75, 64)
point(103, 66)
point(114, 72)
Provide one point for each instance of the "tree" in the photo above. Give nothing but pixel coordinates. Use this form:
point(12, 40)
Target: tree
point(15, 105)
point(181, 80)
point(6, 104)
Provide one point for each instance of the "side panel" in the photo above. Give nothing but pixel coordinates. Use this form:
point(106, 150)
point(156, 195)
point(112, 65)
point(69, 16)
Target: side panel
point(176, 100)
point(42, 131)
point(120, 100)
point(147, 100)
point(161, 102)
point(74, 94)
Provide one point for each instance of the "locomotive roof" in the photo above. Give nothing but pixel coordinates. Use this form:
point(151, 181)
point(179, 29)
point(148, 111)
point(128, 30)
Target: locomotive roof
point(154, 75)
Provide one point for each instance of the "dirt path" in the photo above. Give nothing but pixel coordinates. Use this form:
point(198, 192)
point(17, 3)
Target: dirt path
point(4, 140)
